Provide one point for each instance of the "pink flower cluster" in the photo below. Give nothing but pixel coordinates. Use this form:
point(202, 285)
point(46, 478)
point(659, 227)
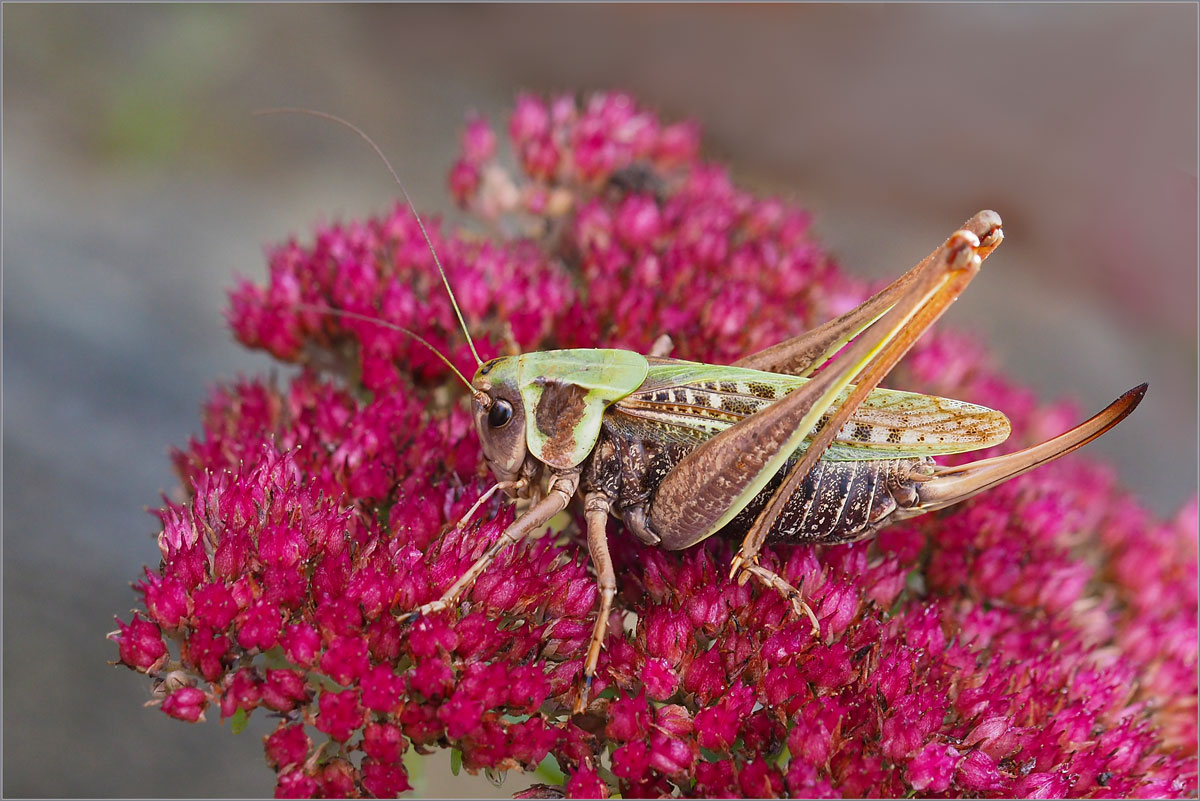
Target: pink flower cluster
point(1039, 640)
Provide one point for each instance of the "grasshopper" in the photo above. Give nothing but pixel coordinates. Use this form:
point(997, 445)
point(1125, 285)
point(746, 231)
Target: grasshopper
point(765, 449)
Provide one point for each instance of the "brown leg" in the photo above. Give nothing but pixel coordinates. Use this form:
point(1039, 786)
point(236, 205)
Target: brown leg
point(803, 354)
point(596, 512)
point(776, 582)
point(871, 358)
point(717, 479)
point(562, 488)
point(503, 485)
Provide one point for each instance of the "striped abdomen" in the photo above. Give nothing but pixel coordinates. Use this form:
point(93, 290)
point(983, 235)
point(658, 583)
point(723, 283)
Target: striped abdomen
point(838, 501)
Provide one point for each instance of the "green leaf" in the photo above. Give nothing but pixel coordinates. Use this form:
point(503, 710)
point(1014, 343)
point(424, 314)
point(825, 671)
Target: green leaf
point(455, 761)
point(240, 720)
point(414, 763)
point(549, 769)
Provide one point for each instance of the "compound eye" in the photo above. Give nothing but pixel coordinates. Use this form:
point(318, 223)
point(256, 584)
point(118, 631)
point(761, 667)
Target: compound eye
point(500, 413)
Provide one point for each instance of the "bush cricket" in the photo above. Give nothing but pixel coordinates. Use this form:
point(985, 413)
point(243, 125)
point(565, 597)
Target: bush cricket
point(770, 448)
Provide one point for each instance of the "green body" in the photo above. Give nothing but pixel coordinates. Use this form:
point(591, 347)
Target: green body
point(566, 393)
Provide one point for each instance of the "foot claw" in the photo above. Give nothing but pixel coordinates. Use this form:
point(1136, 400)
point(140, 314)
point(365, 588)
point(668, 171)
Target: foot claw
point(421, 611)
point(801, 608)
point(585, 692)
point(739, 568)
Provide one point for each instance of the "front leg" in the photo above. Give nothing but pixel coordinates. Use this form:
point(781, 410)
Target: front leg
point(562, 489)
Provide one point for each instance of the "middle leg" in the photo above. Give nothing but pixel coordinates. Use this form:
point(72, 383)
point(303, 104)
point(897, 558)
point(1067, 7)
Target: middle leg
point(596, 507)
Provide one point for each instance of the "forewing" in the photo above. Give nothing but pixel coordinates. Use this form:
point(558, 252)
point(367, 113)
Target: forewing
point(706, 399)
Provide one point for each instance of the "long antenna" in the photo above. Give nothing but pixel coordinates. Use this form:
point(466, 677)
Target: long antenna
point(334, 118)
point(366, 318)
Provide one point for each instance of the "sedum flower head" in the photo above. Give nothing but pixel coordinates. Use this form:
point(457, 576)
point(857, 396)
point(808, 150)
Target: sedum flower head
point(1038, 640)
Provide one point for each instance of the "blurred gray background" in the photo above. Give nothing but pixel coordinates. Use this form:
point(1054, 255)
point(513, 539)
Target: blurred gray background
point(137, 184)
